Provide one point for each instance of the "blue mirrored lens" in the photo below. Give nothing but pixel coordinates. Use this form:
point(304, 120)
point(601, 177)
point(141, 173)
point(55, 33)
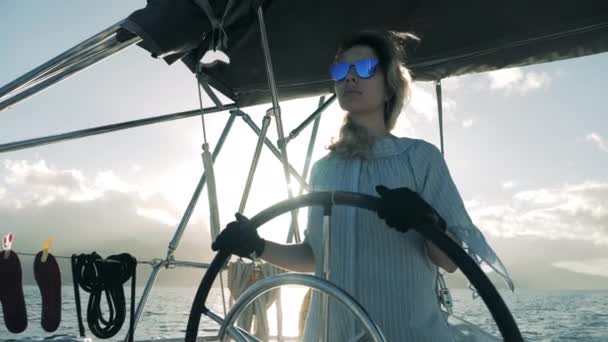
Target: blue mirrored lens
point(339, 71)
point(365, 68)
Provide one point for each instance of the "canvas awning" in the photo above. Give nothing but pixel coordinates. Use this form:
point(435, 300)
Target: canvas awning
point(457, 37)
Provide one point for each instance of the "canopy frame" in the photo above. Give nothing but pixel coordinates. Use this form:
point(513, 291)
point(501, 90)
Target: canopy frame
point(120, 36)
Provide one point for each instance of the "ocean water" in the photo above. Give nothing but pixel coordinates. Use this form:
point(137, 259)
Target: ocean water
point(542, 315)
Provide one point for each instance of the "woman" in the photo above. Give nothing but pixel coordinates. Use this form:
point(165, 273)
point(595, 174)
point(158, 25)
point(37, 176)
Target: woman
point(392, 274)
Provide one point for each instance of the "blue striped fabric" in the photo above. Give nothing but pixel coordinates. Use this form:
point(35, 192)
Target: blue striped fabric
point(388, 272)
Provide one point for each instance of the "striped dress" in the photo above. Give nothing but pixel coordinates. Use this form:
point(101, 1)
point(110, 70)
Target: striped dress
point(388, 272)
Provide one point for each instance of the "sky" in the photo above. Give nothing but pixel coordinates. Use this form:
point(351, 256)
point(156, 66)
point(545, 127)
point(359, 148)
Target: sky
point(527, 148)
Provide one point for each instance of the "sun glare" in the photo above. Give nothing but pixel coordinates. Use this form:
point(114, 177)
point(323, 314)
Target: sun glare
point(291, 303)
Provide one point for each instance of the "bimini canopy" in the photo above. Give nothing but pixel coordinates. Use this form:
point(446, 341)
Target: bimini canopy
point(457, 37)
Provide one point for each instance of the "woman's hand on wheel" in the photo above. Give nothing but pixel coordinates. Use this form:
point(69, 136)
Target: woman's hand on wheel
point(239, 240)
point(402, 209)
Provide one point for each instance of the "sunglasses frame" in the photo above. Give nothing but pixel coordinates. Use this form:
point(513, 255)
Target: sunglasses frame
point(364, 68)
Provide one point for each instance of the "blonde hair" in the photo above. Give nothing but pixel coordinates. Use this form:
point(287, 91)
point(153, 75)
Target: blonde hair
point(355, 141)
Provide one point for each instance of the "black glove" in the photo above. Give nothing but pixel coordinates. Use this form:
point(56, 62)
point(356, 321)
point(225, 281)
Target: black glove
point(239, 240)
point(403, 209)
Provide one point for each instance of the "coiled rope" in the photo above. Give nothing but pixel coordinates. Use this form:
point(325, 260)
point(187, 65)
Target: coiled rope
point(98, 276)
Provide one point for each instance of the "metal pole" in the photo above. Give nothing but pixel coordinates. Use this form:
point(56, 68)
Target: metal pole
point(203, 79)
point(112, 47)
point(190, 209)
point(23, 144)
point(191, 264)
point(172, 263)
point(326, 271)
point(58, 68)
point(144, 297)
point(277, 113)
point(440, 113)
point(269, 69)
point(272, 148)
point(33, 74)
point(311, 145)
point(254, 162)
point(321, 108)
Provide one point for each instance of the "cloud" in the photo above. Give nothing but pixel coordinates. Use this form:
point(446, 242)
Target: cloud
point(510, 184)
point(404, 127)
point(572, 212)
point(516, 79)
point(35, 174)
point(452, 83)
point(108, 181)
point(597, 267)
point(35, 184)
point(38, 184)
point(540, 196)
point(159, 215)
point(471, 204)
point(467, 123)
point(108, 225)
point(598, 141)
point(85, 213)
point(534, 80)
point(424, 103)
point(505, 78)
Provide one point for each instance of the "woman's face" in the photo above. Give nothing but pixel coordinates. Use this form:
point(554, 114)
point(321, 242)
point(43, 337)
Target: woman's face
point(361, 95)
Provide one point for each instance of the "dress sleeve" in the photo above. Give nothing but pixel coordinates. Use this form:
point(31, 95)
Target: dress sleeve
point(435, 185)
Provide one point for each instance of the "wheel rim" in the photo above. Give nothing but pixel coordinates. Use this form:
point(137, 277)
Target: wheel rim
point(262, 286)
point(486, 290)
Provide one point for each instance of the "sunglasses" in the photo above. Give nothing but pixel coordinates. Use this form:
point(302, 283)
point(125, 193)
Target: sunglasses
point(365, 68)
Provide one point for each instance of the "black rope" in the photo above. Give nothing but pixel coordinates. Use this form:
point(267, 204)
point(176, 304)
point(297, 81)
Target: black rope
point(107, 278)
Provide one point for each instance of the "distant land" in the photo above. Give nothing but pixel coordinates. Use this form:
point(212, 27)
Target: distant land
point(533, 275)
point(530, 264)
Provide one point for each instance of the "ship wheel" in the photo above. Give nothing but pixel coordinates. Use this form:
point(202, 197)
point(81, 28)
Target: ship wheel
point(486, 290)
